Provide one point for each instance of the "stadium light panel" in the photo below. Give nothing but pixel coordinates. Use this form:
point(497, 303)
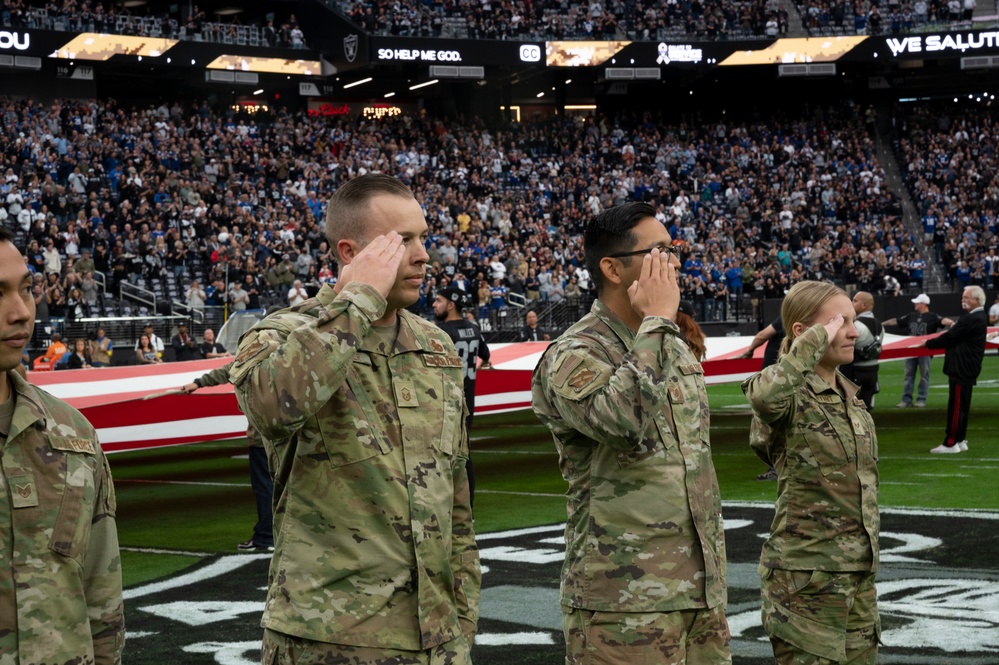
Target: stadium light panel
point(351, 85)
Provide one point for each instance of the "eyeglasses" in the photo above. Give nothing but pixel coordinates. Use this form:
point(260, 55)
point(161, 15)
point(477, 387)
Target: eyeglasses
point(669, 250)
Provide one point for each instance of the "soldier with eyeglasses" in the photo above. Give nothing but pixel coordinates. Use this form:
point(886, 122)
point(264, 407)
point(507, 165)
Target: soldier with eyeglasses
point(644, 573)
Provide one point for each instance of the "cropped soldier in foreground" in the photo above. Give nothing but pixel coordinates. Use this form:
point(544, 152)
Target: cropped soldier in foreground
point(644, 573)
point(819, 563)
point(60, 571)
point(360, 404)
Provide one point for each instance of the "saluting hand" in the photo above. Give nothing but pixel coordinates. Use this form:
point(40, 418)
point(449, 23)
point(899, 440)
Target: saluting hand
point(656, 291)
point(376, 265)
point(835, 323)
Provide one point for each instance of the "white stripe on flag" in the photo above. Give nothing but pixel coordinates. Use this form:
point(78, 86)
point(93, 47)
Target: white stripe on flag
point(175, 429)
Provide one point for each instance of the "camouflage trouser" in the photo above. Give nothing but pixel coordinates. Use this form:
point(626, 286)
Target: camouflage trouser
point(696, 637)
point(817, 618)
point(281, 649)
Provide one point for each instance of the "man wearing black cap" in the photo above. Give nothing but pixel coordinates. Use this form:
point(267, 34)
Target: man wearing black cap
point(470, 346)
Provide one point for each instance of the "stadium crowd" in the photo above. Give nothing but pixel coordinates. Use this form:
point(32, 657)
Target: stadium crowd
point(838, 17)
point(953, 180)
point(559, 19)
point(211, 209)
point(474, 19)
point(111, 17)
point(501, 19)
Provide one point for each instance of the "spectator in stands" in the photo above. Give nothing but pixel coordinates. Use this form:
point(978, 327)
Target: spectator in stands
point(211, 348)
point(184, 345)
point(531, 332)
point(532, 285)
point(89, 290)
point(55, 297)
point(252, 289)
point(484, 296)
point(53, 260)
point(239, 298)
point(154, 339)
point(56, 350)
point(215, 294)
point(85, 264)
point(76, 308)
point(297, 293)
point(101, 348)
point(79, 357)
point(145, 352)
point(196, 296)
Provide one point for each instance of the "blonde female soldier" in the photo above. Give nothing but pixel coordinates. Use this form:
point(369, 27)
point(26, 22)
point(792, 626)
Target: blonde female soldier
point(818, 564)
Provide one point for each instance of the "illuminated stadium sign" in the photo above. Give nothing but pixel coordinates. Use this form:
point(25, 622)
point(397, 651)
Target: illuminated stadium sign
point(798, 50)
point(248, 63)
point(379, 111)
point(581, 54)
point(327, 109)
point(421, 55)
point(250, 107)
point(14, 40)
point(669, 53)
point(92, 46)
point(956, 42)
point(469, 52)
point(318, 108)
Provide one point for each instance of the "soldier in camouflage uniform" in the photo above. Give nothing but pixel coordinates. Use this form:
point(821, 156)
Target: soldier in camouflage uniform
point(361, 403)
point(644, 573)
point(819, 563)
point(60, 571)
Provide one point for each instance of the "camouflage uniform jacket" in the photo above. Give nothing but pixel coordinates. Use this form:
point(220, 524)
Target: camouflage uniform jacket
point(373, 531)
point(60, 571)
point(825, 451)
point(215, 377)
point(629, 415)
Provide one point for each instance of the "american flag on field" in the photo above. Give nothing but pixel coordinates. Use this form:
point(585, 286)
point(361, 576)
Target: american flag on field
point(137, 407)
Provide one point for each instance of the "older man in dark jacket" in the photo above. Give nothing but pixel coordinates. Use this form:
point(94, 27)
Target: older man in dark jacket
point(965, 344)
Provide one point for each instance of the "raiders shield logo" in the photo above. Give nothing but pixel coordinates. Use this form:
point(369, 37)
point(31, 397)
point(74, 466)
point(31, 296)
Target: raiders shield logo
point(350, 47)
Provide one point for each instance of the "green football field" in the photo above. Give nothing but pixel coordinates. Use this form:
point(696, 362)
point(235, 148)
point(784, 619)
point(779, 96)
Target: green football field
point(197, 498)
point(191, 598)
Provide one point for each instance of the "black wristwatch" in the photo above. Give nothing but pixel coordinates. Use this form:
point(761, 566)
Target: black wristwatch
point(197, 382)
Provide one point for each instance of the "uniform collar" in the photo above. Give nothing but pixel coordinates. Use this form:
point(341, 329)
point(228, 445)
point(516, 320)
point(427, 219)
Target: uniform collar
point(28, 411)
point(614, 322)
point(820, 385)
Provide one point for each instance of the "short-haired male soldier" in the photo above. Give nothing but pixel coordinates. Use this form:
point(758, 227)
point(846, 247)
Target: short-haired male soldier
point(361, 408)
point(644, 573)
point(60, 570)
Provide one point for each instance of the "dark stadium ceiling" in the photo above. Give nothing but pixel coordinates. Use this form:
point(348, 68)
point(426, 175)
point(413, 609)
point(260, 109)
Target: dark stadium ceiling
point(243, 11)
